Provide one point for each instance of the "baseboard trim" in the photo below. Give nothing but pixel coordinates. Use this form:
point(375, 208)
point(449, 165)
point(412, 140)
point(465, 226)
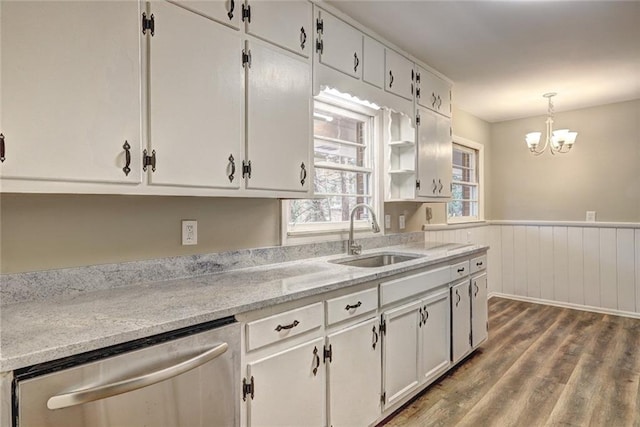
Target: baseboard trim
point(567, 305)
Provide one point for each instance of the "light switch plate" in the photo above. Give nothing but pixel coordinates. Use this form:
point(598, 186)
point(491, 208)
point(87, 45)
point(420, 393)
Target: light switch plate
point(591, 216)
point(189, 232)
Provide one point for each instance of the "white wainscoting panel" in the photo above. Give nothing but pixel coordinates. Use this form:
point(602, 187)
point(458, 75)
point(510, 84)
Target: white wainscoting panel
point(593, 266)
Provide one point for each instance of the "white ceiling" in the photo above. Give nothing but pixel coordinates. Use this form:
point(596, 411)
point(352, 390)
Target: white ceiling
point(503, 55)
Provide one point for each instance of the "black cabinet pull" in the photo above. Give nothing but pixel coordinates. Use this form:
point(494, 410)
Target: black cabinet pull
point(303, 38)
point(479, 264)
point(232, 163)
point(441, 186)
point(376, 337)
point(458, 295)
point(433, 100)
point(421, 318)
point(477, 289)
point(289, 326)
point(439, 102)
point(461, 270)
point(426, 315)
point(303, 174)
point(2, 148)
point(127, 158)
point(390, 78)
point(317, 359)
point(232, 6)
point(435, 186)
point(354, 306)
point(356, 61)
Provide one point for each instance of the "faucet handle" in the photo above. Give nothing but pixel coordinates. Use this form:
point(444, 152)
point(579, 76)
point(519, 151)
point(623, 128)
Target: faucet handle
point(355, 249)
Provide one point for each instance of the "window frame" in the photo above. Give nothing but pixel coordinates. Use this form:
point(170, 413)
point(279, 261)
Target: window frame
point(479, 149)
point(309, 233)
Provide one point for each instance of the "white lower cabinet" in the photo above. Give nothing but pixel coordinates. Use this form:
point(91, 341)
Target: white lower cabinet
point(416, 344)
point(287, 388)
point(460, 321)
point(354, 375)
point(479, 310)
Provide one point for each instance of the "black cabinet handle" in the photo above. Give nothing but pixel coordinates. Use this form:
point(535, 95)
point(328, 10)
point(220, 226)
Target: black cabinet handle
point(289, 326)
point(411, 88)
point(439, 102)
point(376, 337)
point(479, 264)
point(426, 315)
point(232, 6)
point(303, 173)
point(232, 163)
point(421, 318)
point(477, 289)
point(2, 148)
point(354, 306)
point(356, 62)
point(303, 38)
point(433, 100)
point(435, 186)
point(458, 295)
point(127, 158)
point(317, 359)
point(461, 270)
point(390, 78)
point(441, 186)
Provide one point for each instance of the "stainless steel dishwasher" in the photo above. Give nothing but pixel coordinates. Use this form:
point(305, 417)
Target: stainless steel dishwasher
point(188, 378)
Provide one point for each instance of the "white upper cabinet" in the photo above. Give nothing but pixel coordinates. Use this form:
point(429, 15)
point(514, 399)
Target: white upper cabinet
point(373, 62)
point(287, 24)
point(278, 119)
point(434, 155)
point(339, 44)
point(228, 12)
point(399, 75)
point(433, 92)
point(71, 91)
point(195, 100)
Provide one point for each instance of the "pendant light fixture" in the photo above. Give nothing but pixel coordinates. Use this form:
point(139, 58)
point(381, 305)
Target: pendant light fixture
point(558, 141)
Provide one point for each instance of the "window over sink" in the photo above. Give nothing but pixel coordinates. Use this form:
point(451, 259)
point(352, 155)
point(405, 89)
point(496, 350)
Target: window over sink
point(344, 168)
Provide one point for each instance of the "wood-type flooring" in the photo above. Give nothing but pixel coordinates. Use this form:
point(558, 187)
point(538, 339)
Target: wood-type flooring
point(542, 366)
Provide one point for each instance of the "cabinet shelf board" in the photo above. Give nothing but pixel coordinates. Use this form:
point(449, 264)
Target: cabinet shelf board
point(402, 171)
point(402, 143)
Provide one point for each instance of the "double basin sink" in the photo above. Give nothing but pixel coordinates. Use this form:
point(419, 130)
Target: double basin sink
point(382, 259)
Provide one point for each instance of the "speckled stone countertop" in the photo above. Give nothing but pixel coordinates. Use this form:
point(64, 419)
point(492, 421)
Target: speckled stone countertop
point(40, 331)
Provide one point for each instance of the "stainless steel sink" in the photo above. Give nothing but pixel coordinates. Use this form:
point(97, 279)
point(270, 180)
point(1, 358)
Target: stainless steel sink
point(376, 260)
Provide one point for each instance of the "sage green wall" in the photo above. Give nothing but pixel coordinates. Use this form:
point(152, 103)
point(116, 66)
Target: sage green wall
point(601, 173)
point(40, 231)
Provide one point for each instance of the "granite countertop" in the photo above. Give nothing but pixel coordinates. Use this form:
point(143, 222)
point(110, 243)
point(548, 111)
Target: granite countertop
point(41, 331)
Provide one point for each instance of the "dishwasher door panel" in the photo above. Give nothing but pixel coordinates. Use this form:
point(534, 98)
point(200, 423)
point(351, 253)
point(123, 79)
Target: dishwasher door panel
point(205, 395)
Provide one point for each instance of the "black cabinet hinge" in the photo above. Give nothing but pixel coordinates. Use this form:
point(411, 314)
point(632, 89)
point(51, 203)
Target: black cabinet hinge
point(319, 46)
point(383, 327)
point(417, 77)
point(383, 397)
point(148, 24)
point(248, 388)
point(246, 58)
point(418, 93)
point(149, 160)
point(418, 184)
point(246, 13)
point(319, 26)
point(246, 169)
point(328, 354)
point(418, 119)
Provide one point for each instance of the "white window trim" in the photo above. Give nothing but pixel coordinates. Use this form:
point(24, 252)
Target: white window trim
point(480, 149)
point(340, 231)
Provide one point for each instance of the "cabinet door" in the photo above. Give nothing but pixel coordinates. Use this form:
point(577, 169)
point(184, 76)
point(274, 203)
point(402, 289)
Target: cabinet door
point(278, 119)
point(445, 156)
point(435, 93)
point(399, 75)
point(373, 62)
point(428, 154)
point(284, 23)
point(287, 391)
point(195, 100)
point(460, 321)
point(354, 375)
point(341, 45)
point(479, 310)
point(436, 335)
point(71, 90)
point(228, 12)
point(401, 351)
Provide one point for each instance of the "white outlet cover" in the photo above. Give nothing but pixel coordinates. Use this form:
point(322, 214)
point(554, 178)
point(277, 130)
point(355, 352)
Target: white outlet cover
point(591, 216)
point(189, 232)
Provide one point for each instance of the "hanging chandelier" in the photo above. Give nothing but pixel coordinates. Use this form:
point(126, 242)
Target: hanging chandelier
point(559, 141)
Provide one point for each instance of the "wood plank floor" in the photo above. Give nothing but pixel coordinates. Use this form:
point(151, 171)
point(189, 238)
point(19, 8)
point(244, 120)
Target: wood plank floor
point(542, 366)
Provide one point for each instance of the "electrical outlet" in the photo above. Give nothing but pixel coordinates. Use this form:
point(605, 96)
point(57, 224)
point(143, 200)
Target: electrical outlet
point(387, 221)
point(401, 220)
point(428, 214)
point(591, 216)
point(189, 232)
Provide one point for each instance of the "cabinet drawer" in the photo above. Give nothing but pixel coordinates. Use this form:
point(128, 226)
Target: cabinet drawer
point(396, 290)
point(283, 325)
point(478, 264)
point(459, 270)
point(352, 305)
